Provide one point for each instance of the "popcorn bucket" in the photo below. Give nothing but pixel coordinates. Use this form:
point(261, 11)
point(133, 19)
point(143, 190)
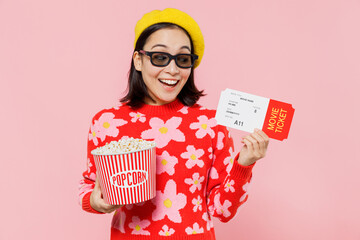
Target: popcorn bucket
point(127, 178)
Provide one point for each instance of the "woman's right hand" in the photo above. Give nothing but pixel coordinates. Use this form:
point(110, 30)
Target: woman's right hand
point(98, 203)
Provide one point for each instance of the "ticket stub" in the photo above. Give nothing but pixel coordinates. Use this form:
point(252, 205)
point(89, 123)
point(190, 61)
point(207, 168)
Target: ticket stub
point(244, 111)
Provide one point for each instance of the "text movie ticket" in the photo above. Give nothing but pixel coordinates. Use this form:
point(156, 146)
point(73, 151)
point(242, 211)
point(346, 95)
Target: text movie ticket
point(246, 112)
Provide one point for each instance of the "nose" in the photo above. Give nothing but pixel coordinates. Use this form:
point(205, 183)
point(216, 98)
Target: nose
point(172, 68)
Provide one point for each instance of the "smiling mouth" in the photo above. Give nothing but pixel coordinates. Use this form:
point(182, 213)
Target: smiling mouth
point(170, 83)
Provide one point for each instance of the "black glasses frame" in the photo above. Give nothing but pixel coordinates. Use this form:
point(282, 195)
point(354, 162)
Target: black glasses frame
point(171, 57)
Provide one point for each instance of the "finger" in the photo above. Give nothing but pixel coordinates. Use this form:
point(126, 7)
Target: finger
point(97, 192)
point(97, 179)
point(261, 141)
point(265, 136)
point(248, 144)
point(96, 182)
point(110, 208)
point(257, 148)
point(105, 207)
point(115, 207)
point(254, 142)
point(97, 186)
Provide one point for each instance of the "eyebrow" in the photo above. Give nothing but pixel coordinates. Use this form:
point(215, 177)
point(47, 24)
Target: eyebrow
point(162, 45)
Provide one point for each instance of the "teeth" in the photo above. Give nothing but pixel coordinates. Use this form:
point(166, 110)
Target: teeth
point(170, 82)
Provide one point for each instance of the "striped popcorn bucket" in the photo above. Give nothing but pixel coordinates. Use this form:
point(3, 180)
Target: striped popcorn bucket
point(127, 178)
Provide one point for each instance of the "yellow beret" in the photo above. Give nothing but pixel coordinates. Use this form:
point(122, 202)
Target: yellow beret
point(172, 15)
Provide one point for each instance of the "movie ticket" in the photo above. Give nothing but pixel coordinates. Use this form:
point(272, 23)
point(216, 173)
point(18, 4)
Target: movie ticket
point(246, 112)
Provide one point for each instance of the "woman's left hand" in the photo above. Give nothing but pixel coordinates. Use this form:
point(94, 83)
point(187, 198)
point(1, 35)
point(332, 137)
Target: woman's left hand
point(255, 147)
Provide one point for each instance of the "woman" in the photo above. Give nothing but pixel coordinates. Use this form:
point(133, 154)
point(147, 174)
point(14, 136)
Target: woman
point(198, 174)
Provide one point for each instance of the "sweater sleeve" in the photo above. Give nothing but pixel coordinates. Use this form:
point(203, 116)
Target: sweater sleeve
point(228, 180)
point(87, 183)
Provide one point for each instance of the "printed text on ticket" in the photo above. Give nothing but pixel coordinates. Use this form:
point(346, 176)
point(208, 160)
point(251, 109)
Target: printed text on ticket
point(246, 112)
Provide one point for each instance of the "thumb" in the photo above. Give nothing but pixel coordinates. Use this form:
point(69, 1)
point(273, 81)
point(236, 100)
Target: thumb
point(97, 185)
point(97, 179)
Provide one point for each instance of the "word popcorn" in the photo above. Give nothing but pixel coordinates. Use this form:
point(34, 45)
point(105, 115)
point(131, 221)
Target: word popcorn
point(127, 170)
point(124, 146)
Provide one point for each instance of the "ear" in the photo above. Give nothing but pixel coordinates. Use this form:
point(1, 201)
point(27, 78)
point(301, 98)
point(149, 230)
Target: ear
point(137, 61)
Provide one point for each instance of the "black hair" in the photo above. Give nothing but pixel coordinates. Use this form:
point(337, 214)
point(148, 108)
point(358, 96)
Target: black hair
point(137, 90)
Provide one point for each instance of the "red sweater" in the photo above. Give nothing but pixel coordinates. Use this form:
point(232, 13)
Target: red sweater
point(198, 176)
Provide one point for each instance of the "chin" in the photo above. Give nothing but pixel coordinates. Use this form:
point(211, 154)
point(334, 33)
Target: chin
point(167, 100)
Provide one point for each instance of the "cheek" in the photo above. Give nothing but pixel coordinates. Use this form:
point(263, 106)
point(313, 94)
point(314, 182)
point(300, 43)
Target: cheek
point(150, 74)
point(185, 75)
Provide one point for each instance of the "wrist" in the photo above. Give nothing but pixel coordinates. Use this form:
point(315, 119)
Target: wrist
point(245, 162)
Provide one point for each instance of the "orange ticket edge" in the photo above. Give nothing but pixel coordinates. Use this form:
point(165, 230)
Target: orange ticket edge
point(278, 120)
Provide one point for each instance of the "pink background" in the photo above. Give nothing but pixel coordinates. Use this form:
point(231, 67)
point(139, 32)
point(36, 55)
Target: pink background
point(62, 61)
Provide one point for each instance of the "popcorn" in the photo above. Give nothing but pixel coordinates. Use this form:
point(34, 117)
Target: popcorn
point(123, 146)
point(127, 170)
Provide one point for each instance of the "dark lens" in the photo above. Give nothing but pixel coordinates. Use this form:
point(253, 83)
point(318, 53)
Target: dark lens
point(160, 59)
point(184, 60)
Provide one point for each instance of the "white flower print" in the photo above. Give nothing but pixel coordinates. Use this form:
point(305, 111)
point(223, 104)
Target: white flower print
point(210, 150)
point(164, 132)
point(138, 226)
point(165, 163)
point(229, 186)
point(246, 189)
point(137, 116)
point(214, 173)
point(106, 125)
point(92, 176)
point(117, 106)
point(211, 209)
point(229, 161)
point(195, 182)
point(166, 231)
point(169, 203)
point(194, 230)
point(193, 155)
point(184, 110)
point(204, 126)
point(220, 144)
point(209, 222)
point(89, 165)
point(221, 209)
point(118, 220)
point(197, 204)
